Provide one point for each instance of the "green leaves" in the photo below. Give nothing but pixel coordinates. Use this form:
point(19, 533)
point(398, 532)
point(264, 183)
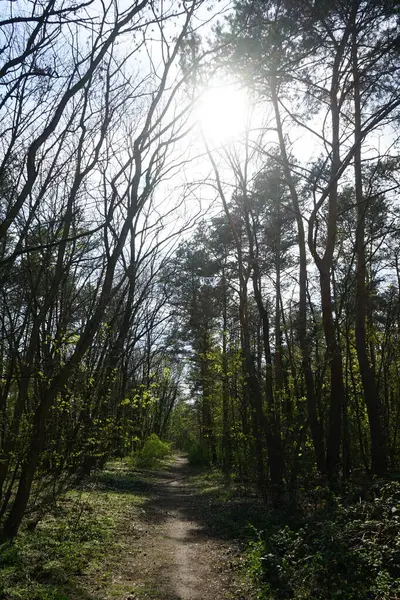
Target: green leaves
point(153, 451)
point(340, 550)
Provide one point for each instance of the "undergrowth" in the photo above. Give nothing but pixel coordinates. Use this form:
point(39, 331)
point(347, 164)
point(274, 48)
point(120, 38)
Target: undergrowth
point(344, 547)
point(151, 454)
point(339, 549)
point(198, 455)
point(327, 547)
point(72, 541)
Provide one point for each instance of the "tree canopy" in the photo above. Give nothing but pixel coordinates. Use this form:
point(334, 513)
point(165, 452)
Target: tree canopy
point(260, 331)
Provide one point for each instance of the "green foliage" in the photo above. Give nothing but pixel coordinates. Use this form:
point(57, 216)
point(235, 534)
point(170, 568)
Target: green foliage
point(338, 551)
point(183, 428)
point(154, 450)
point(198, 454)
point(42, 563)
point(43, 560)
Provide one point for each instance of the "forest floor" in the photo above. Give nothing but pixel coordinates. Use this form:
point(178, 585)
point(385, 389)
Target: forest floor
point(182, 533)
point(174, 534)
point(176, 554)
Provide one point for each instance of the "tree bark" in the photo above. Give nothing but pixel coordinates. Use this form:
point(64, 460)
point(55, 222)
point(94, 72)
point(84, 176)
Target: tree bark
point(371, 395)
point(226, 438)
point(314, 421)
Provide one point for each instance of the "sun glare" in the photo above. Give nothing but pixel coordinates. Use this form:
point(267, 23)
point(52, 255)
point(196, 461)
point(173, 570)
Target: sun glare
point(222, 114)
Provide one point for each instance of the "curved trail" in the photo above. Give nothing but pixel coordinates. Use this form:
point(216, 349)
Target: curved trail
point(179, 559)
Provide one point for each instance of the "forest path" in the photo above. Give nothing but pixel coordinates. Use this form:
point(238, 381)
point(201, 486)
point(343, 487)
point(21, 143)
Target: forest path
point(175, 554)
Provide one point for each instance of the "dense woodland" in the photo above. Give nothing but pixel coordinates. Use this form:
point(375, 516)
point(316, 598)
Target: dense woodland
point(261, 335)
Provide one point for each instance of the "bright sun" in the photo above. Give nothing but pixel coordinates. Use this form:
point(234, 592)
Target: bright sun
point(222, 113)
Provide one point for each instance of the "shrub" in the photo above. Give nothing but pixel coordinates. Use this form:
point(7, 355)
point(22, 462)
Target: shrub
point(153, 451)
point(342, 551)
point(198, 455)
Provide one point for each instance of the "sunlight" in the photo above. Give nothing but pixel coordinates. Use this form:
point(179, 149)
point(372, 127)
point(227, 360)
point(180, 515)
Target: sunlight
point(222, 113)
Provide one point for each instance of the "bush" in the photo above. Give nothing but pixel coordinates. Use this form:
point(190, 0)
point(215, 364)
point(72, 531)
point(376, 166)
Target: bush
point(198, 455)
point(342, 551)
point(153, 451)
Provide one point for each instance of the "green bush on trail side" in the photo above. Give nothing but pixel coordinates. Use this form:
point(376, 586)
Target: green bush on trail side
point(153, 451)
point(350, 552)
point(198, 455)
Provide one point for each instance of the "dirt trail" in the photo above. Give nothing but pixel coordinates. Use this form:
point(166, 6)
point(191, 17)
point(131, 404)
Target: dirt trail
point(179, 559)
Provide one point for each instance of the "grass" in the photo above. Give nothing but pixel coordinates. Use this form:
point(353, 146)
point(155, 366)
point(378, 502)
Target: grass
point(71, 554)
point(90, 546)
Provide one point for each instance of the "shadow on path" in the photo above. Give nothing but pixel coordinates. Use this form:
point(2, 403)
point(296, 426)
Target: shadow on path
point(193, 530)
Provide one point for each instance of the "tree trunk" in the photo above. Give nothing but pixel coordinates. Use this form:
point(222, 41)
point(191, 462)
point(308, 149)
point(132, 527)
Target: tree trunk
point(372, 400)
point(270, 421)
point(314, 421)
point(336, 378)
point(226, 438)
